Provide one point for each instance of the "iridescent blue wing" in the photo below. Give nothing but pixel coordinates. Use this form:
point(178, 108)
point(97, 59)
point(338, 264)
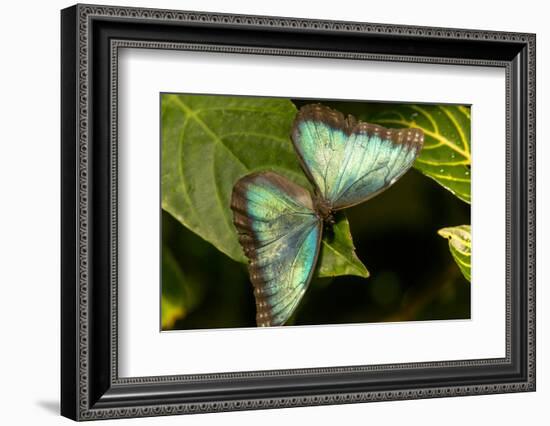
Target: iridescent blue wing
point(280, 234)
point(350, 161)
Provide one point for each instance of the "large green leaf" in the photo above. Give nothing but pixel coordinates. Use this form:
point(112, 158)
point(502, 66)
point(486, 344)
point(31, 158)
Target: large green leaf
point(180, 293)
point(208, 143)
point(446, 156)
point(460, 244)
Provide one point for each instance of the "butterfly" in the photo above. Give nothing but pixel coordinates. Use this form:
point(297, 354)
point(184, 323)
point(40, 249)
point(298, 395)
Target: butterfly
point(280, 223)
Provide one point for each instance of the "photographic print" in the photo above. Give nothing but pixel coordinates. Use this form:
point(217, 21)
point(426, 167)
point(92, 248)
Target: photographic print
point(289, 212)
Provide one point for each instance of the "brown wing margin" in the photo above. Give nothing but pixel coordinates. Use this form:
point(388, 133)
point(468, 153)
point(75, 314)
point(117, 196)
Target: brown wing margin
point(350, 125)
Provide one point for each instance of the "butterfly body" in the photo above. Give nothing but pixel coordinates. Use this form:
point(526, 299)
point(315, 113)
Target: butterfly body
point(280, 224)
point(324, 209)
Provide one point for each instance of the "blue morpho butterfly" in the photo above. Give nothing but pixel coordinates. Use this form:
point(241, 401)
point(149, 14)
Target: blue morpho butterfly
point(280, 223)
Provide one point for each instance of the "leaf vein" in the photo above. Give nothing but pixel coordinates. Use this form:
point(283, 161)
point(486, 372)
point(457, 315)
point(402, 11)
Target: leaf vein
point(207, 129)
point(340, 254)
point(465, 143)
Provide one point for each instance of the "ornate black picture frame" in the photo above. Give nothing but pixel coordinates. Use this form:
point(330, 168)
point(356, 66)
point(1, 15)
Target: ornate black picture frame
point(91, 36)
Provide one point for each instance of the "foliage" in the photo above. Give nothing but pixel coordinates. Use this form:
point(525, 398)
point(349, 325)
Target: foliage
point(338, 253)
point(460, 244)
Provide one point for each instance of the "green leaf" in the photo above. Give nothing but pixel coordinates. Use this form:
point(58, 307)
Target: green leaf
point(338, 252)
point(180, 293)
point(208, 143)
point(446, 156)
point(460, 244)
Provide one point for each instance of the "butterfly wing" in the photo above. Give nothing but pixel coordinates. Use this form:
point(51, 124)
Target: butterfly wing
point(350, 161)
point(280, 234)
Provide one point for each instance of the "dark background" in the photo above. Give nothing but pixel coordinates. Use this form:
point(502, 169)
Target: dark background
point(413, 275)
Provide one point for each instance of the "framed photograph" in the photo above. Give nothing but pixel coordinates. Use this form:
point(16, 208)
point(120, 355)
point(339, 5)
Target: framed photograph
point(263, 212)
